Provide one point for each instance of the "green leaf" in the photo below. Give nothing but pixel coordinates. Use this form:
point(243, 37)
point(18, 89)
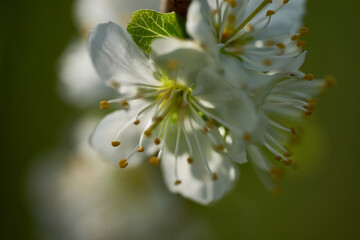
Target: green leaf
point(148, 25)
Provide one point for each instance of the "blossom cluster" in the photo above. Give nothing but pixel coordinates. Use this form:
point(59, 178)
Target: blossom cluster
point(227, 94)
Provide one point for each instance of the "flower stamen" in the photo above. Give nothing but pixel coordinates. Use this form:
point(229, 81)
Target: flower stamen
point(248, 19)
point(115, 143)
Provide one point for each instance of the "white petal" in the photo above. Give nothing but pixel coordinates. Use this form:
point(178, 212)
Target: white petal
point(262, 167)
point(199, 25)
point(229, 106)
point(79, 83)
point(197, 184)
point(237, 76)
point(238, 146)
point(257, 157)
point(237, 149)
point(294, 64)
point(257, 61)
point(117, 58)
point(179, 58)
point(234, 73)
point(286, 21)
point(129, 138)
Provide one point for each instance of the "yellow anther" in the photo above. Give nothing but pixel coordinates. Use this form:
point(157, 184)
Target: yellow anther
point(115, 143)
point(267, 62)
point(177, 182)
point(154, 161)
point(206, 129)
point(114, 84)
point(246, 137)
point(124, 103)
point(278, 158)
point(295, 37)
point(249, 27)
point(211, 123)
point(303, 30)
point(329, 81)
point(104, 105)
point(190, 160)
point(124, 165)
point(310, 107)
point(157, 141)
point(122, 161)
point(225, 35)
point(293, 131)
point(269, 43)
point(214, 12)
point(148, 132)
point(140, 149)
point(231, 18)
point(232, 3)
point(219, 148)
point(301, 44)
point(215, 176)
point(288, 153)
point(280, 45)
point(172, 64)
point(285, 1)
point(287, 162)
point(309, 77)
point(270, 13)
point(136, 122)
point(158, 119)
point(308, 113)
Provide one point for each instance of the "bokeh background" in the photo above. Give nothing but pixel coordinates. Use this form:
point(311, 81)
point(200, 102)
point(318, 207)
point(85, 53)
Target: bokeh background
point(319, 200)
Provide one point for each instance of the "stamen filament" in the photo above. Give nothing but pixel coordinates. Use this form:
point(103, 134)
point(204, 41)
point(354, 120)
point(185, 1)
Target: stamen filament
point(201, 151)
point(272, 140)
point(187, 141)
point(277, 125)
point(208, 114)
point(177, 151)
point(248, 19)
point(276, 153)
point(167, 120)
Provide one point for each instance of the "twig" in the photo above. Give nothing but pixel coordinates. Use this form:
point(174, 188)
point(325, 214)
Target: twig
point(178, 6)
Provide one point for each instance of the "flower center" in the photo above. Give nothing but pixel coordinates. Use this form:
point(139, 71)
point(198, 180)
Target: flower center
point(169, 105)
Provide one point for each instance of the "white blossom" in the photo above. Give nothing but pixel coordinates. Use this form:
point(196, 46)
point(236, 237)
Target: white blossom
point(286, 100)
point(174, 106)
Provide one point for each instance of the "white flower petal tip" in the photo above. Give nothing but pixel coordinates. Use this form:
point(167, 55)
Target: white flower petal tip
point(117, 59)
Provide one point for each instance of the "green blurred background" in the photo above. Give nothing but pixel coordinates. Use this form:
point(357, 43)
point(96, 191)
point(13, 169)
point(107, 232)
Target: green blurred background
point(320, 200)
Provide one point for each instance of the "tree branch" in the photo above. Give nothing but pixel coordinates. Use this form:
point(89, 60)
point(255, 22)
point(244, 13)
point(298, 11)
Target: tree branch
point(178, 6)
